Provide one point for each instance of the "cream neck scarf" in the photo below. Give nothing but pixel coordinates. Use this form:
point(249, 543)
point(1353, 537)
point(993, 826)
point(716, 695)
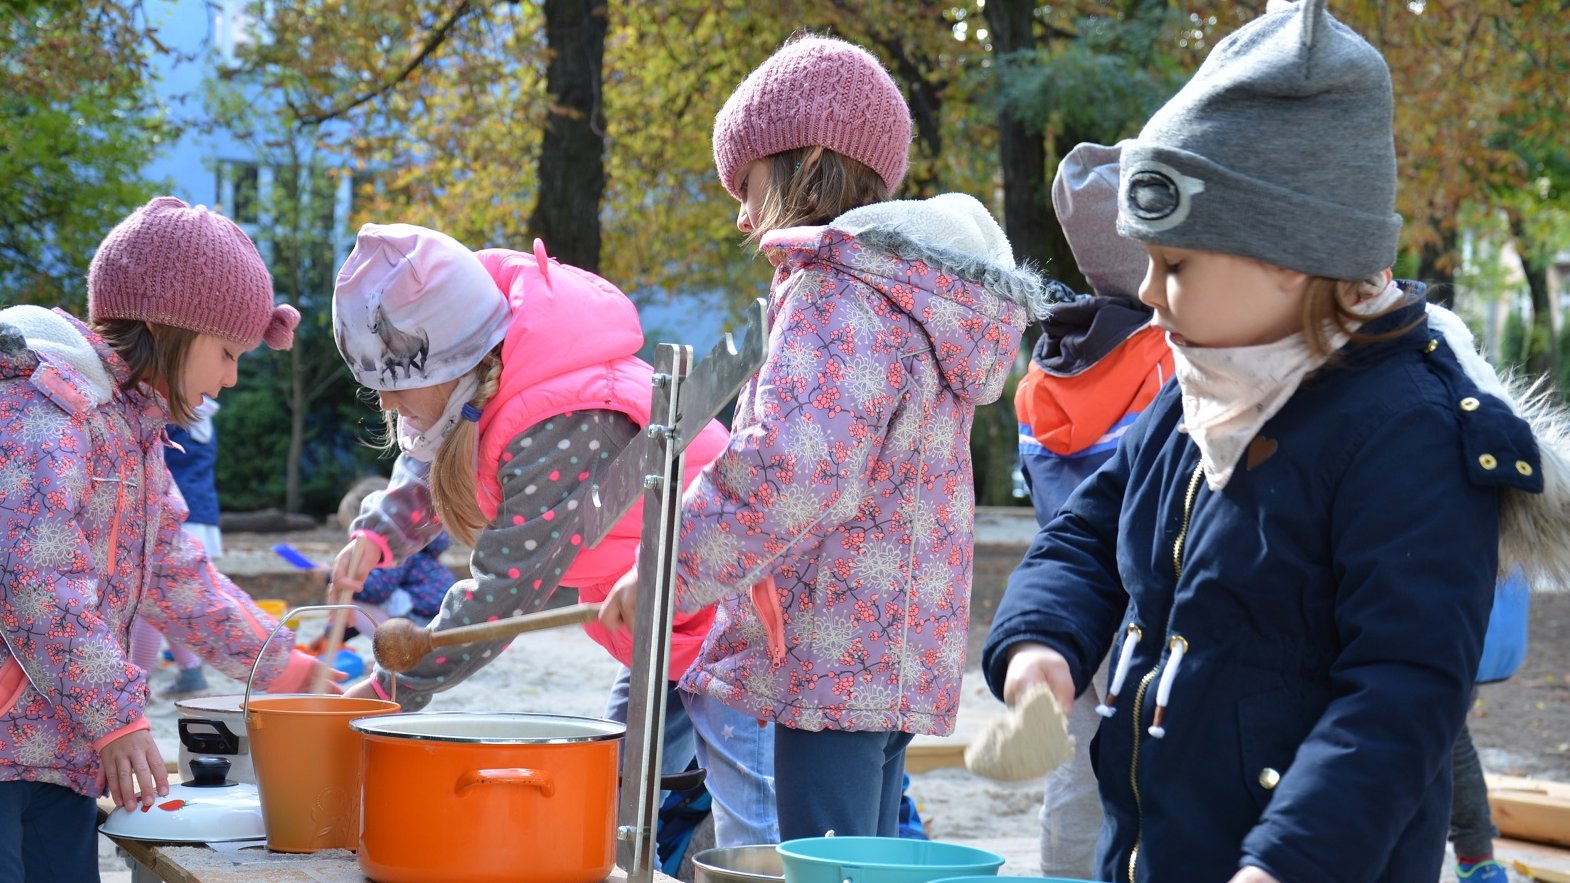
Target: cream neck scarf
point(1230, 392)
point(423, 445)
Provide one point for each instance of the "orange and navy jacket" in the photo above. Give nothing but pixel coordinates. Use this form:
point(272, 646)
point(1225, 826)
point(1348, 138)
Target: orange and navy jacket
point(1098, 363)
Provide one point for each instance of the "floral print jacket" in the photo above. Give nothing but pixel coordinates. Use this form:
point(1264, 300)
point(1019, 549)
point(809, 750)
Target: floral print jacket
point(838, 526)
point(89, 537)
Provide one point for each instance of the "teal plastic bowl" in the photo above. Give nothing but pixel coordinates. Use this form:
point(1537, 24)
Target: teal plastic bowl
point(1001, 878)
point(882, 860)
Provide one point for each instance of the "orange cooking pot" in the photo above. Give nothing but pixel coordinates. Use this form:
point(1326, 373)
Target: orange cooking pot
point(477, 798)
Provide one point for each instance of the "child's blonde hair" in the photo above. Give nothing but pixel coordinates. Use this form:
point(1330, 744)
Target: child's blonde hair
point(452, 478)
point(813, 185)
point(1328, 306)
point(155, 355)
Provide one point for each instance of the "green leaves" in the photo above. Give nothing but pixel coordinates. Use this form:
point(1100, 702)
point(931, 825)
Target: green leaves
point(80, 124)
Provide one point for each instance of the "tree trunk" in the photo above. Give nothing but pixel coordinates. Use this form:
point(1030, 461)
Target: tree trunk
point(572, 155)
point(298, 405)
point(1021, 148)
point(1542, 352)
point(1436, 267)
point(926, 114)
point(1033, 232)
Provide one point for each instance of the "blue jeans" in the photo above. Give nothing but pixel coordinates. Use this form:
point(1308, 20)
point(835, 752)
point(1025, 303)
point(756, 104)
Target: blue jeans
point(48, 834)
point(738, 754)
point(844, 782)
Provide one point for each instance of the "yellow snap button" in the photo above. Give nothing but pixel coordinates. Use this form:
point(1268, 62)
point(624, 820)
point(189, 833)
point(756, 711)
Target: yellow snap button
point(1523, 467)
point(1487, 461)
point(1470, 403)
point(1269, 778)
point(1432, 345)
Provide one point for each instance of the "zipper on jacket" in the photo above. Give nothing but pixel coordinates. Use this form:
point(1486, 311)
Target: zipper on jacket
point(1133, 771)
point(1144, 683)
point(1188, 511)
point(114, 524)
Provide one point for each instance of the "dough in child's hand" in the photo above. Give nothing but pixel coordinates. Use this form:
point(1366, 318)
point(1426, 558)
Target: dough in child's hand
point(1028, 742)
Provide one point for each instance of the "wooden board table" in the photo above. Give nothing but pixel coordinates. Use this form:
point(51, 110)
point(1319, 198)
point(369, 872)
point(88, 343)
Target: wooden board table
point(172, 863)
point(186, 863)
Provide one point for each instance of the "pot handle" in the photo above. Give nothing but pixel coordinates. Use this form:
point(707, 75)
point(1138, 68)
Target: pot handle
point(513, 776)
point(245, 706)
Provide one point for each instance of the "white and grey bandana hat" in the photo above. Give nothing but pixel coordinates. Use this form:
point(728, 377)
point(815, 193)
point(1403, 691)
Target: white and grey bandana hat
point(1280, 148)
point(413, 308)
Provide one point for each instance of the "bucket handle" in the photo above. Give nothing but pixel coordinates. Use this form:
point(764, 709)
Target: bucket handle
point(514, 776)
point(246, 705)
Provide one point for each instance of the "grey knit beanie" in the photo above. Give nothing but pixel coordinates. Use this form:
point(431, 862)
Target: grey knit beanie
point(1085, 198)
point(1281, 148)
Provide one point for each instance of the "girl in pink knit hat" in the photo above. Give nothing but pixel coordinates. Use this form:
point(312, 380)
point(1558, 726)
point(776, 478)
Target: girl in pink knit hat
point(836, 530)
point(91, 523)
point(508, 404)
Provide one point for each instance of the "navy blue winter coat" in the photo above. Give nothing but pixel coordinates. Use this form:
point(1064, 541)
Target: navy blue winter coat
point(193, 470)
point(1333, 597)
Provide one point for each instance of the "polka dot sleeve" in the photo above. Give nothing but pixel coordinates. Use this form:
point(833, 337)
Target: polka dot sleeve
point(519, 559)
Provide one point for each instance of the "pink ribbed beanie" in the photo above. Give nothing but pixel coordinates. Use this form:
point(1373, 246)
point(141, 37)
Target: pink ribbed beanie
point(815, 92)
point(190, 268)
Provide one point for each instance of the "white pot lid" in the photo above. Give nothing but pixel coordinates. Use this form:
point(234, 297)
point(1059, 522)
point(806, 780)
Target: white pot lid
point(195, 813)
point(210, 706)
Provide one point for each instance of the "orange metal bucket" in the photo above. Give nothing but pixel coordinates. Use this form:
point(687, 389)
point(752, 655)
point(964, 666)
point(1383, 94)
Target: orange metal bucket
point(487, 798)
point(307, 763)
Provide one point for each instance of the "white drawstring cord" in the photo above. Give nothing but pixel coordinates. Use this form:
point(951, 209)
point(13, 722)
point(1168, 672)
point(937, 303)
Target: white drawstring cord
point(1120, 674)
point(1164, 689)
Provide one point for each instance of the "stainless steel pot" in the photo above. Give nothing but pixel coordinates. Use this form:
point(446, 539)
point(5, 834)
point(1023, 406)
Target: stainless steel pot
point(739, 864)
point(214, 726)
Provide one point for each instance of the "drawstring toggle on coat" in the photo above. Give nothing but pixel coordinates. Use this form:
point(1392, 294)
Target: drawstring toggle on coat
point(1120, 674)
point(1164, 689)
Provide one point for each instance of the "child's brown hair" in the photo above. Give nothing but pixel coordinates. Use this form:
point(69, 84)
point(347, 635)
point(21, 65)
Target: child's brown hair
point(1328, 305)
point(813, 185)
point(155, 355)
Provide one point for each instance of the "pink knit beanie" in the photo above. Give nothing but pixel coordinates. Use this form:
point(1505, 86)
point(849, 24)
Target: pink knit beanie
point(815, 92)
point(190, 268)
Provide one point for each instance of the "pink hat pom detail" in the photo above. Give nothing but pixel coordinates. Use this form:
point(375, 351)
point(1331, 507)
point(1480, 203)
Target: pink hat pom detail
point(280, 328)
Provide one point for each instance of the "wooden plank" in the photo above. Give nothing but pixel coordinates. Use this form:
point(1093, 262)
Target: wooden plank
point(922, 757)
point(1543, 875)
point(174, 863)
point(1534, 810)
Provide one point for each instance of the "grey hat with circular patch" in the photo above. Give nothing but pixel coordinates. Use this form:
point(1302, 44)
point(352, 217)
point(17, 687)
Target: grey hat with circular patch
point(1280, 148)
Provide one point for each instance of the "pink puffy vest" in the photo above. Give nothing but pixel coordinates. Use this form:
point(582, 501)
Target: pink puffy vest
point(551, 366)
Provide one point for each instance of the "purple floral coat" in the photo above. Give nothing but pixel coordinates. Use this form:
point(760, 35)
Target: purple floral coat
point(846, 493)
point(90, 536)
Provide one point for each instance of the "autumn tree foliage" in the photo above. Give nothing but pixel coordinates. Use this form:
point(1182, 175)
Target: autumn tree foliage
point(78, 123)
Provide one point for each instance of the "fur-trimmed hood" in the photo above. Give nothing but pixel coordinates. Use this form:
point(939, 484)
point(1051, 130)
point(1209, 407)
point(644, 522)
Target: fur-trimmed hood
point(955, 233)
point(1534, 529)
point(30, 335)
point(945, 263)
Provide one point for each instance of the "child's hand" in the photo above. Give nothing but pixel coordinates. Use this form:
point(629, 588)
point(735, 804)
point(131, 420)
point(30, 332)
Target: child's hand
point(329, 677)
point(1032, 664)
point(134, 770)
point(1251, 874)
point(362, 690)
point(622, 603)
point(347, 580)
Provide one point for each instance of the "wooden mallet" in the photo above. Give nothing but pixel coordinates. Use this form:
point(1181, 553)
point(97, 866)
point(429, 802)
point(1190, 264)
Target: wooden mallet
point(399, 644)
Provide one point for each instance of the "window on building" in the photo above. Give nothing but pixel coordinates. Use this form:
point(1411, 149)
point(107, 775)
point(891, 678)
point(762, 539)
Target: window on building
point(239, 194)
point(233, 29)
